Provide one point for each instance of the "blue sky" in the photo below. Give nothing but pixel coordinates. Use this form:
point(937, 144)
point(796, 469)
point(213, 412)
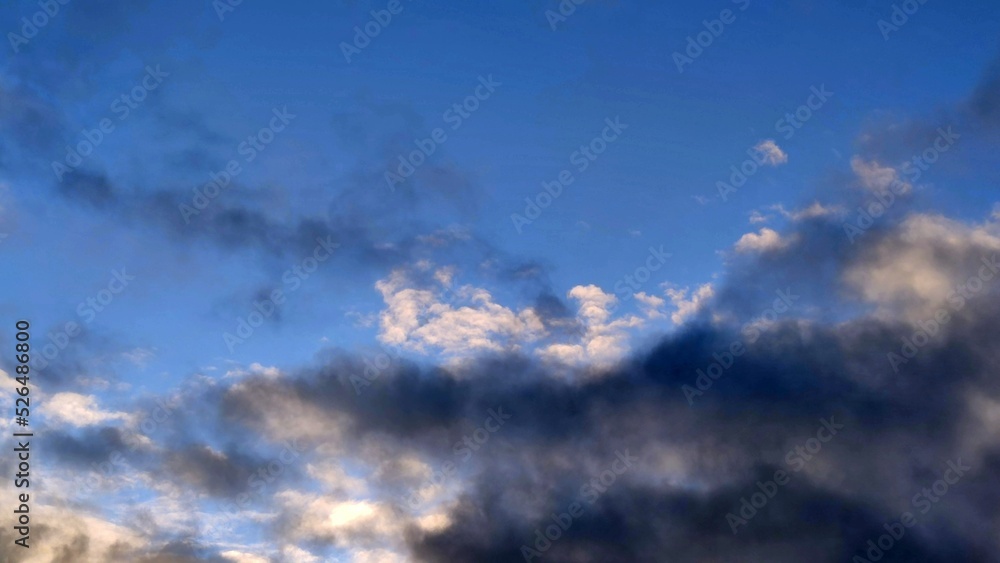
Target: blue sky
point(606, 60)
point(548, 291)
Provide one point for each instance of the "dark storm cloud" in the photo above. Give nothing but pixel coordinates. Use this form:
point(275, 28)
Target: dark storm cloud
point(900, 429)
point(216, 473)
point(695, 460)
point(85, 447)
point(644, 524)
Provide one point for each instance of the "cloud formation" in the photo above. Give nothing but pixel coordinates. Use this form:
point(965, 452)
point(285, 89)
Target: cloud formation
point(694, 462)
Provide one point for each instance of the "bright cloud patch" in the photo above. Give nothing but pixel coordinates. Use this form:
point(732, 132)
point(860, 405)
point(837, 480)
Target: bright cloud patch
point(464, 320)
point(455, 322)
point(78, 410)
point(877, 178)
point(771, 152)
point(685, 305)
point(762, 241)
point(604, 340)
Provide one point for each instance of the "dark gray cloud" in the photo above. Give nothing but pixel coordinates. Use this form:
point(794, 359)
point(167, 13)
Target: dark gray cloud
point(694, 461)
point(900, 429)
point(85, 447)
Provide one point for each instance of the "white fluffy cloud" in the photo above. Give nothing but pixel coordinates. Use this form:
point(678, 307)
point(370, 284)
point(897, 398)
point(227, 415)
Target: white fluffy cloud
point(817, 209)
point(78, 410)
point(686, 306)
point(913, 272)
point(762, 241)
point(604, 340)
point(466, 322)
point(461, 321)
point(469, 321)
point(370, 530)
point(877, 178)
point(651, 305)
point(771, 152)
